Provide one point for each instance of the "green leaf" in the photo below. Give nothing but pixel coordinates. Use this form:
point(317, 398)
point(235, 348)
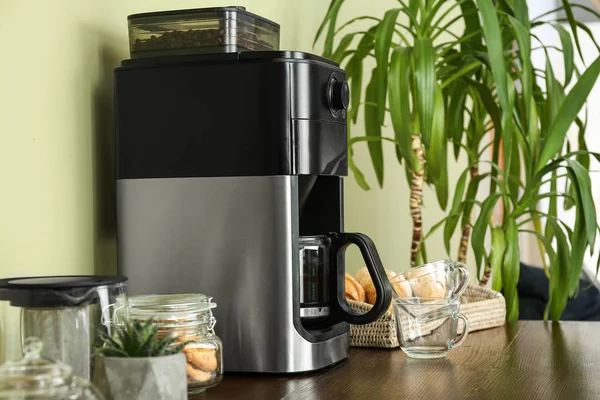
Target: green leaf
point(522, 34)
point(425, 86)
point(533, 137)
point(455, 116)
point(584, 157)
point(464, 71)
point(441, 186)
point(551, 207)
point(511, 269)
point(524, 41)
point(497, 257)
point(343, 46)
point(383, 42)
point(484, 219)
point(514, 180)
point(581, 178)
point(578, 246)
point(493, 36)
point(472, 25)
point(399, 95)
point(522, 14)
point(471, 194)
point(581, 6)
point(373, 127)
point(437, 154)
point(505, 6)
point(508, 136)
point(454, 214)
point(355, 69)
point(330, 18)
point(556, 94)
point(435, 228)
point(573, 24)
point(567, 113)
point(568, 51)
point(487, 99)
point(559, 275)
point(547, 244)
point(358, 175)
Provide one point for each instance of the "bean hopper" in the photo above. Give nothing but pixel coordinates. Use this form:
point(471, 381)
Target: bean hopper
point(67, 313)
point(230, 163)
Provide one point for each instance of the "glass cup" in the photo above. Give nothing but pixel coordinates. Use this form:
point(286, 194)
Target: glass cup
point(444, 279)
point(429, 330)
point(427, 308)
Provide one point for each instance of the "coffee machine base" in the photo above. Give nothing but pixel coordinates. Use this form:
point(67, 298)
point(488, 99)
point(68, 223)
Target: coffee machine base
point(234, 238)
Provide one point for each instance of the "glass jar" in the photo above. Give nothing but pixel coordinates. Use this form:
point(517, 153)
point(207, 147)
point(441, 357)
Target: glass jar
point(37, 378)
point(188, 317)
point(68, 313)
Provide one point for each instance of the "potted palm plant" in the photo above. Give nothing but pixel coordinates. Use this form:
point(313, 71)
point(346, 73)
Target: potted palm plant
point(458, 74)
point(136, 362)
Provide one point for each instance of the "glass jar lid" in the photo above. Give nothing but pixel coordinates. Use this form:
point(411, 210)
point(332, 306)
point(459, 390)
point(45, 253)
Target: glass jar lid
point(57, 291)
point(172, 309)
point(34, 375)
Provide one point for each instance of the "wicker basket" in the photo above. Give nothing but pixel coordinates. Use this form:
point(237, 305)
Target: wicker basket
point(483, 307)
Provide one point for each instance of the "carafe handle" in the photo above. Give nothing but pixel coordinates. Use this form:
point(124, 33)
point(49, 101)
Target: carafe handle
point(383, 289)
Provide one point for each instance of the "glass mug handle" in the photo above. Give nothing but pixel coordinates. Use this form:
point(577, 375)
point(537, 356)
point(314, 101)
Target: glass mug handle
point(461, 338)
point(464, 278)
point(444, 312)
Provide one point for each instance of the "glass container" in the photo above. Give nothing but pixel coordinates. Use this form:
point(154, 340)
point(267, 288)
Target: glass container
point(429, 330)
point(205, 30)
point(443, 279)
point(314, 281)
point(68, 313)
point(37, 378)
point(189, 318)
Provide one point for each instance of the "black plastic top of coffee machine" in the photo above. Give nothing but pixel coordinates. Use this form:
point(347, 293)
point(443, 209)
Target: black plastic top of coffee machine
point(253, 113)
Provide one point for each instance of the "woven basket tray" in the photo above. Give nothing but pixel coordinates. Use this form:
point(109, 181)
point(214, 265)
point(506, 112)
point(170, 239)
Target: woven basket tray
point(483, 307)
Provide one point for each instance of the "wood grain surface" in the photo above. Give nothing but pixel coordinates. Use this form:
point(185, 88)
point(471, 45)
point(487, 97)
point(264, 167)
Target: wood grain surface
point(527, 360)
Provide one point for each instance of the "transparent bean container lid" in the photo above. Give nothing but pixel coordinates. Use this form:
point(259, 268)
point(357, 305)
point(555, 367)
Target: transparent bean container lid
point(196, 31)
point(35, 377)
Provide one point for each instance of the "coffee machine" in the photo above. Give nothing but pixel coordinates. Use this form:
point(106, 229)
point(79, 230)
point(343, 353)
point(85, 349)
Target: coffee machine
point(230, 165)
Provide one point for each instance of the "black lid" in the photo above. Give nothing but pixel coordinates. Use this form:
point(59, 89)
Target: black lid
point(258, 56)
point(55, 291)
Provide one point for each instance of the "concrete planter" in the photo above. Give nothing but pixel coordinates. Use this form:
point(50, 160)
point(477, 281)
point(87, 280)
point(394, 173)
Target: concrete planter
point(157, 378)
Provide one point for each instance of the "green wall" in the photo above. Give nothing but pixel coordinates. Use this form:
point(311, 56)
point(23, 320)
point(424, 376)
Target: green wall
point(57, 213)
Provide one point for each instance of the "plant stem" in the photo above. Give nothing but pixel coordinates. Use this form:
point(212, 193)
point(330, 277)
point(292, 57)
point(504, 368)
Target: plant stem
point(416, 197)
point(466, 231)
point(487, 272)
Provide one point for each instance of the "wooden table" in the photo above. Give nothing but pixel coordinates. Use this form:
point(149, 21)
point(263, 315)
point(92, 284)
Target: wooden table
point(527, 360)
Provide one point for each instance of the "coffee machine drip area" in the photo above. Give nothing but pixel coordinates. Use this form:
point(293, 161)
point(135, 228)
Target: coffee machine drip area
point(230, 166)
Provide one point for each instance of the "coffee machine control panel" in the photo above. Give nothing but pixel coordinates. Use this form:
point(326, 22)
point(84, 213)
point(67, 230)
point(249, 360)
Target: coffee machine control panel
point(338, 96)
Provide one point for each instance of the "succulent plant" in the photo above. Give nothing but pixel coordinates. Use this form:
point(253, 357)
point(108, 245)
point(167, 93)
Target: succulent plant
point(136, 339)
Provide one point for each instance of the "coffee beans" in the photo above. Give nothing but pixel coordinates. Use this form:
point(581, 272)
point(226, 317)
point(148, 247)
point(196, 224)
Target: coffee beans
point(179, 39)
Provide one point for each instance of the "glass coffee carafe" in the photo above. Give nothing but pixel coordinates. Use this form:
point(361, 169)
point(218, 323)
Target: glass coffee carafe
point(322, 269)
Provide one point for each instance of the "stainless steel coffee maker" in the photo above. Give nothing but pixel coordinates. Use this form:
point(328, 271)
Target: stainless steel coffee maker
point(229, 182)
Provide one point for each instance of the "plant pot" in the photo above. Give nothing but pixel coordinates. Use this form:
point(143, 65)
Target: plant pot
point(130, 378)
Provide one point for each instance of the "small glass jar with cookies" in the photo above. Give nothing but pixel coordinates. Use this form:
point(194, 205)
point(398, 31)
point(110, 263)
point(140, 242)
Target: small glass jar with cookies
point(189, 318)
